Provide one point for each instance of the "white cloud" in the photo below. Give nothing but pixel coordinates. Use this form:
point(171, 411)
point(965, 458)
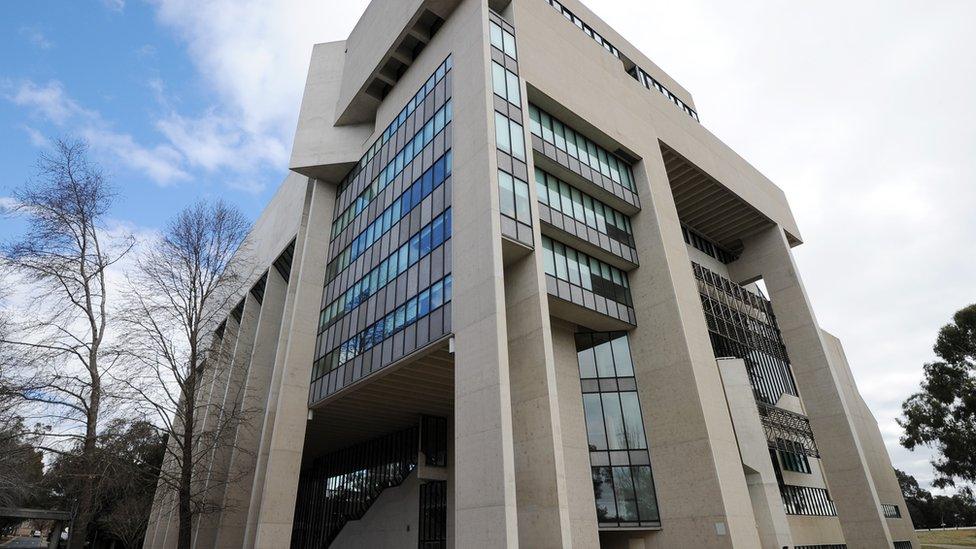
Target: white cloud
point(254, 55)
point(36, 137)
point(213, 142)
point(36, 37)
point(866, 123)
point(160, 163)
point(114, 5)
point(48, 100)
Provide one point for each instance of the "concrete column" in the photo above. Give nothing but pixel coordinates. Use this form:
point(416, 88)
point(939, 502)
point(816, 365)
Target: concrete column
point(767, 256)
point(227, 423)
point(271, 408)
point(233, 520)
point(875, 453)
point(484, 465)
point(774, 529)
point(540, 475)
point(576, 450)
point(702, 492)
point(216, 378)
point(288, 432)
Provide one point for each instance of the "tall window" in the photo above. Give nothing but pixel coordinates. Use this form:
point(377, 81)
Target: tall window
point(623, 485)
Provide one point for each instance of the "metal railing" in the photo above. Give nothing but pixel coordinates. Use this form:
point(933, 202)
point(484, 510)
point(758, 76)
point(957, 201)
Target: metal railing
point(807, 501)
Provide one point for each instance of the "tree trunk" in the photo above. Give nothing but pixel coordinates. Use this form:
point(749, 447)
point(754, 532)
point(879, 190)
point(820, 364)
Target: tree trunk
point(83, 517)
point(186, 472)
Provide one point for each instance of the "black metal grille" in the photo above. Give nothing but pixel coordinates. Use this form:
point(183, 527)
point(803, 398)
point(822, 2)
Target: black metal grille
point(828, 546)
point(787, 431)
point(742, 325)
point(283, 263)
point(433, 440)
point(341, 486)
point(432, 533)
point(807, 501)
point(891, 510)
point(903, 545)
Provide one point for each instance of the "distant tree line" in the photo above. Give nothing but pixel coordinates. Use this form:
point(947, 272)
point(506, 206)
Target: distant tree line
point(936, 511)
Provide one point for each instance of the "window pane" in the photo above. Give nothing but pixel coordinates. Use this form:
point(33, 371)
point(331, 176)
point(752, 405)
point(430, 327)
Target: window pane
point(616, 435)
point(606, 507)
point(502, 140)
point(498, 80)
point(540, 186)
point(587, 366)
point(626, 500)
point(548, 259)
point(546, 122)
point(573, 262)
point(496, 36)
point(509, 42)
point(633, 420)
point(506, 194)
point(535, 126)
point(560, 136)
point(604, 358)
point(561, 269)
point(522, 212)
point(514, 97)
point(646, 498)
point(518, 141)
point(621, 357)
point(595, 434)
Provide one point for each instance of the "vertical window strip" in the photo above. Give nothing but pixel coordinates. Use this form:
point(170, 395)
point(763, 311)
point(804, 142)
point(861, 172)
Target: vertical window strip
point(622, 479)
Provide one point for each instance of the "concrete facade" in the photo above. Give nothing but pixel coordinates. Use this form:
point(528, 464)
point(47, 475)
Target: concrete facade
point(508, 297)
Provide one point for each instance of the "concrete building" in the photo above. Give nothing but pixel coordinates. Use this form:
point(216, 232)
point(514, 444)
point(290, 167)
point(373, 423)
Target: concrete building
point(514, 293)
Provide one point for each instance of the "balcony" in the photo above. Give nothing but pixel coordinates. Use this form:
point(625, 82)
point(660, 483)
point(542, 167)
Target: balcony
point(807, 501)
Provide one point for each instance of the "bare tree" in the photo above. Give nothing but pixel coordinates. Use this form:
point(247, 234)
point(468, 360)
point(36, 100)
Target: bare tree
point(179, 295)
point(62, 260)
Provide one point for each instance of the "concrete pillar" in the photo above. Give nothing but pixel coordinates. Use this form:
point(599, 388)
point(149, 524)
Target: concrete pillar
point(540, 475)
point(277, 512)
point(576, 450)
point(875, 453)
point(767, 256)
point(767, 504)
point(228, 413)
point(233, 520)
point(703, 498)
point(271, 408)
point(210, 397)
point(484, 465)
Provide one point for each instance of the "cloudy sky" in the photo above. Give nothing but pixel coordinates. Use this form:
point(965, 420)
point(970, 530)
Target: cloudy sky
point(862, 111)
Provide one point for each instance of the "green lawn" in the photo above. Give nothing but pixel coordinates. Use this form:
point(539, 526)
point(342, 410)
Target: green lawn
point(965, 538)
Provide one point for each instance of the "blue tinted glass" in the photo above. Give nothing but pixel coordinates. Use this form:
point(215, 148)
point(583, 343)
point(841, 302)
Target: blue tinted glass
point(436, 295)
point(425, 241)
point(439, 169)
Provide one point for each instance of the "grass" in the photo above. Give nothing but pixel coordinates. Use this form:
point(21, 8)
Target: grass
point(965, 538)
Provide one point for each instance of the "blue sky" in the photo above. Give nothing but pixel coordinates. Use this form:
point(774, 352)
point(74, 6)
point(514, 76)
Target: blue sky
point(862, 112)
point(70, 68)
point(129, 77)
